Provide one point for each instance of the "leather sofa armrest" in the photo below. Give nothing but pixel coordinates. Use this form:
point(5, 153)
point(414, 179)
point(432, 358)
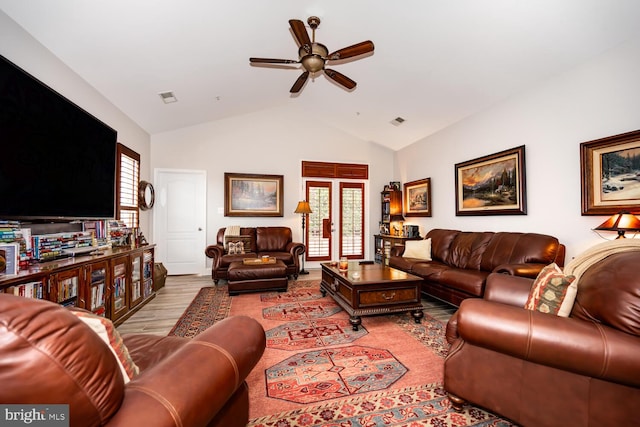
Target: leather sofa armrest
point(295, 249)
point(574, 345)
point(507, 289)
point(214, 251)
point(193, 384)
point(525, 270)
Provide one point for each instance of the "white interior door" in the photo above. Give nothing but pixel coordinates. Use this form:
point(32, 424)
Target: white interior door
point(179, 220)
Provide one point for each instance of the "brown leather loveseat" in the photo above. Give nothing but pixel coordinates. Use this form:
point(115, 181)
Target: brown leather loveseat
point(49, 356)
point(461, 261)
point(275, 242)
point(538, 369)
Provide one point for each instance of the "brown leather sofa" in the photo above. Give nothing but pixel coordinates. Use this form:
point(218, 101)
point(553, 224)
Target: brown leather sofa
point(49, 356)
point(539, 369)
point(462, 260)
point(272, 241)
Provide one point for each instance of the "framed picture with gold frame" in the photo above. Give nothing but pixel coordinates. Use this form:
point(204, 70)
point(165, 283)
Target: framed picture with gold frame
point(417, 198)
point(610, 170)
point(253, 194)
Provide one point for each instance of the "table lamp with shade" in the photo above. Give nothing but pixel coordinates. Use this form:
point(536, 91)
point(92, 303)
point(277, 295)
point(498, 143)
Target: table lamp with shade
point(621, 222)
point(304, 209)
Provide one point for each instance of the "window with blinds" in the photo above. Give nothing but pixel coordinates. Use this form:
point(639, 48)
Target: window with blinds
point(128, 177)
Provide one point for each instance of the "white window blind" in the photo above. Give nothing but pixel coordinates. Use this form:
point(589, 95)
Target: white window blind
point(127, 186)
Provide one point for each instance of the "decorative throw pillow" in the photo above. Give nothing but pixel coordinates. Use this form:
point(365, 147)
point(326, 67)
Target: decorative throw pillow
point(420, 249)
point(245, 240)
point(105, 330)
point(552, 292)
point(236, 248)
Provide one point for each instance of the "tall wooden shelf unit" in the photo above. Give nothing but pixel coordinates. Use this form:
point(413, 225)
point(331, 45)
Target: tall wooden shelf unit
point(115, 283)
point(391, 204)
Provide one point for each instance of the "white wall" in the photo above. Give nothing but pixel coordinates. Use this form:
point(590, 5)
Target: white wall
point(23, 50)
point(595, 100)
point(269, 142)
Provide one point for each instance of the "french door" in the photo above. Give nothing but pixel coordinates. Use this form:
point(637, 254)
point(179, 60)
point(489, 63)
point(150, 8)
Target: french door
point(337, 222)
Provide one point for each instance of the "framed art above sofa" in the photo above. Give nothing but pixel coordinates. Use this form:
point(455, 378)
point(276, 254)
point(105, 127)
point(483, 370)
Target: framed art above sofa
point(253, 194)
point(492, 185)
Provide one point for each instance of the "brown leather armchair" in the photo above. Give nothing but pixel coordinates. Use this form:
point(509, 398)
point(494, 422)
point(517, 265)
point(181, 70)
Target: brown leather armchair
point(538, 369)
point(49, 356)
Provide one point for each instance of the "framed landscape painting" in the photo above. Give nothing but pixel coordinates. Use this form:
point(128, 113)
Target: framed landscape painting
point(492, 185)
point(417, 198)
point(253, 194)
point(610, 169)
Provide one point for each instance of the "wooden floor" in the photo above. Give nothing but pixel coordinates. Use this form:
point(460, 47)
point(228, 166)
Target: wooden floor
point(161, 313)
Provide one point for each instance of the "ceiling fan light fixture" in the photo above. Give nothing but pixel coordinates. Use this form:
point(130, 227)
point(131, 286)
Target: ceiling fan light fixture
point(314, 61)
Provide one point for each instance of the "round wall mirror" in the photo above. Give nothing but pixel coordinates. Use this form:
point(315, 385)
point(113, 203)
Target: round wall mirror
point(146, 195)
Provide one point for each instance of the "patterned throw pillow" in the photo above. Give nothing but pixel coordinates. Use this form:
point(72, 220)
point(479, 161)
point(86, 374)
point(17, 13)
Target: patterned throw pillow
point(106, 331)
point(236, 248)
point(552, 292)
point(246, 241)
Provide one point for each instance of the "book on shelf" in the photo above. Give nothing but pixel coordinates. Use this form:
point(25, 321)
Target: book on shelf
point(28, 290)
point(9, 258)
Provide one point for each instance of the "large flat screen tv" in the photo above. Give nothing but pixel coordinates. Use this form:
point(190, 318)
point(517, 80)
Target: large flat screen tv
point(57, 161)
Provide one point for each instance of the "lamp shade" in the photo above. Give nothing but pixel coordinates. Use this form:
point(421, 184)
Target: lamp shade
point(303, 207)
point(620, 222)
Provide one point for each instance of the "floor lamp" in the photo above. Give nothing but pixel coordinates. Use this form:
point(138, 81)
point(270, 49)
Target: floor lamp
point(304, 209)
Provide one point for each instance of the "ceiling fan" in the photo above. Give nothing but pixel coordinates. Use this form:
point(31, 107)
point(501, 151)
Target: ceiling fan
point(313, 56)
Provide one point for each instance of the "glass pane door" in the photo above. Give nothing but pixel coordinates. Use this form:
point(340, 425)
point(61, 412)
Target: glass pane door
point(319, 223)
point(352, 220)
point(348, 208)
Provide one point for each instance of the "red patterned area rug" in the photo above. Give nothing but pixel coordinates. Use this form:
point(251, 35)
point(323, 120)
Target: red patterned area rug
point(420, 348)
point(210, 305)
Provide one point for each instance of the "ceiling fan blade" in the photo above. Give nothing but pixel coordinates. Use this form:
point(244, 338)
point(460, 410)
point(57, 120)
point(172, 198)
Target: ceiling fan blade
point(300, 82)
point(340, 78)
point(300, 32)
point(272, 61)
point(351, 51)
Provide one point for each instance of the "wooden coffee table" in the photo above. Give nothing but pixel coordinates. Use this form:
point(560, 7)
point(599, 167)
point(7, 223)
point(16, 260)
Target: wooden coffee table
point(370, 289)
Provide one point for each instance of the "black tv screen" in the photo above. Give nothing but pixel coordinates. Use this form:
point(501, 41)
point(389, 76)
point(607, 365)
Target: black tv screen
point(57, 160)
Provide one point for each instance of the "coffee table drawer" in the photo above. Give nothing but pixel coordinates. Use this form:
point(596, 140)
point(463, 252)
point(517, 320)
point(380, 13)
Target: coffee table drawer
point(388, 296)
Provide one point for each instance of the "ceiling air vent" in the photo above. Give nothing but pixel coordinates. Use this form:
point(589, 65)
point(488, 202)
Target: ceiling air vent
point(397, 121)
point(168, 97)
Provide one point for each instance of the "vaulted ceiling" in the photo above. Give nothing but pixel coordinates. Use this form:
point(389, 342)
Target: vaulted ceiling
point(435, 62)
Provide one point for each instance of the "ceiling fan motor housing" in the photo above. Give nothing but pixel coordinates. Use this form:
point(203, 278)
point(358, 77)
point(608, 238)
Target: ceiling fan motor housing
point(314, 61)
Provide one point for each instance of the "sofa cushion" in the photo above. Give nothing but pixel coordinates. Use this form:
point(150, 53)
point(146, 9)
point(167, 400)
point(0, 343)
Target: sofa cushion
point(273, 239)
point(107, 332)
point(469, 281)
point(441, 242)
point(552, 292)
point(402, 263)
point(467, 249)
point(429, 270)
point(609, 292)
point(419, 249)
point(519, 248)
